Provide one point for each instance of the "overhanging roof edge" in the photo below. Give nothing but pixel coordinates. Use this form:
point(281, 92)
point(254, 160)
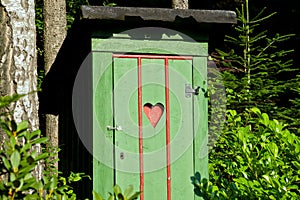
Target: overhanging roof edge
point(157, 14)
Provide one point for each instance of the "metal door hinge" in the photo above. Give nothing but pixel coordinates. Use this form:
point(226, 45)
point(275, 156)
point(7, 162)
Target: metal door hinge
point(189, 90)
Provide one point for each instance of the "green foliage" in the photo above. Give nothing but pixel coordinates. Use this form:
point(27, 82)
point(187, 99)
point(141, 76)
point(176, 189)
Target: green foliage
point(257, 70)
point(18, 160)
point(255, 158)
point(73, 7)
point(20, 157)
point(118, 195)
point(39, 23)
point(207, 190)
point(108, 3)
point(7, 100)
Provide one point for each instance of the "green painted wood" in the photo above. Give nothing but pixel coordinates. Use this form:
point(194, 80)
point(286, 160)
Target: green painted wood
point(200, 117)
point(103, 176)
point(116, 103)
point(126, 116)
point(181, 114)
point(153, 92)
point(150, 46)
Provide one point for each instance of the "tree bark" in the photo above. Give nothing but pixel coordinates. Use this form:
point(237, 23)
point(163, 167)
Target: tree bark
point(180, 4)
point(18, 66)
point(55, 24)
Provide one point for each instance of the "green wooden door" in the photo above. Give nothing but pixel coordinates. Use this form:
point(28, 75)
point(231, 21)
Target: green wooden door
point(154, 146)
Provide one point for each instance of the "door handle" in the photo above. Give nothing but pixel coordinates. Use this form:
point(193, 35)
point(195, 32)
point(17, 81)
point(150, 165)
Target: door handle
point(111, 128)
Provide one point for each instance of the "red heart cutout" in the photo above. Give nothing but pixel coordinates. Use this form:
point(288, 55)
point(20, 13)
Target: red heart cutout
point(154, 113)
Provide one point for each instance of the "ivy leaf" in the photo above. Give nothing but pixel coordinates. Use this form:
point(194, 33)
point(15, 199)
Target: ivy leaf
point(53, 183)
point(13, 141)
point(117, 190)
point(21, 127)
point(296, 164)
point(128, 191)
point(27, 169)
point(15, 161)
point(34, 134)
point(97, 196)
point(256, 111)
point(273, 148)
point(134, 196)
point(198, 176)
point(6, 100)
point(265, 119)
point(40, 141)
point(6, 163)
point(121, 196)
point(266, 177)
point(111, 197)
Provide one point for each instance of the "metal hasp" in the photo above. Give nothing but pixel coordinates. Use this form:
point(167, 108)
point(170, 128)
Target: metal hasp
point(189, 90)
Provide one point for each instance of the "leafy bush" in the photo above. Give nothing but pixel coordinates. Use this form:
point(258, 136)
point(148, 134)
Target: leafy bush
point(118, 195)
point(255, 158)
point(18, 161)
point(19, 158)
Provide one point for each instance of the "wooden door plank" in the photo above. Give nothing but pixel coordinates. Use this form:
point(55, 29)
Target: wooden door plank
point(181, 113)
point(201, 117)
point(153, 80)
point(126, 116)
point(103, 178)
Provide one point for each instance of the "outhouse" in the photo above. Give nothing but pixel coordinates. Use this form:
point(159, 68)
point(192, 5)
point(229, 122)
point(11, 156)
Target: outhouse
point(135, 84)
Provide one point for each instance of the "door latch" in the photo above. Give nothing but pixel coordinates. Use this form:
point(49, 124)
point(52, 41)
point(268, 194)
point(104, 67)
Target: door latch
point(189, 90)
point(111, 128)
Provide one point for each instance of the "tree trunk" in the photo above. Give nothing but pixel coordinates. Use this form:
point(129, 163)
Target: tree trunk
point(18, 68)
point(180, 4)
point(55, 24)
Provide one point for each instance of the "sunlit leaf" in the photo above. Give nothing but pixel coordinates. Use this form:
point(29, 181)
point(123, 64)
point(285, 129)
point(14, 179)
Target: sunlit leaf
point(15, 160)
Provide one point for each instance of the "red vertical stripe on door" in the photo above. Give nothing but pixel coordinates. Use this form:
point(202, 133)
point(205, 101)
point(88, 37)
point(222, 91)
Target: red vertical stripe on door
point(140, 127)
point(168, 129)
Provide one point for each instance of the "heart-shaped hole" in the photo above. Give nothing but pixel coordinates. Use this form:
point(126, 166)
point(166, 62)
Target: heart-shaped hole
point(154, 113)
